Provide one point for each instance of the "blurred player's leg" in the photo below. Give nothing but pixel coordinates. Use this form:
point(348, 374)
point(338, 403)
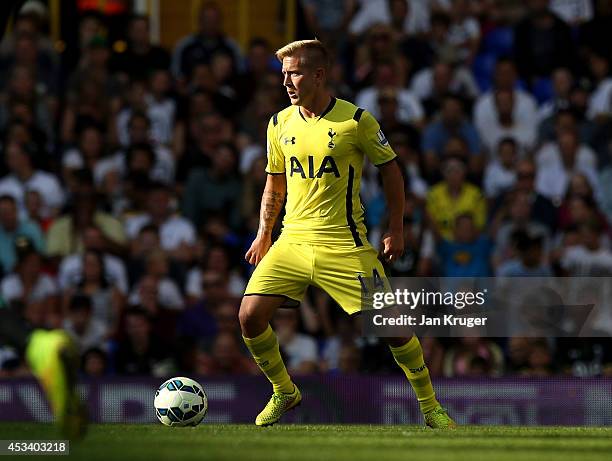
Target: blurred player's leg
point(53, 359)
point(255, 315)
point(409, 356)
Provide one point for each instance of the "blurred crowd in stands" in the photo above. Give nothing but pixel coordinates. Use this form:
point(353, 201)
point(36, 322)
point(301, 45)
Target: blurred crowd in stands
point(131, 177)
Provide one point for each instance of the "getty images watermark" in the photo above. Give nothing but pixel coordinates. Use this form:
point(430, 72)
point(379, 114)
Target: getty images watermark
point(427, 299)
point(493, 307)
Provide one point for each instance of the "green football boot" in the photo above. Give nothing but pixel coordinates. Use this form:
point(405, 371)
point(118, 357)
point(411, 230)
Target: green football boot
point(438, 419)
point(278, 405)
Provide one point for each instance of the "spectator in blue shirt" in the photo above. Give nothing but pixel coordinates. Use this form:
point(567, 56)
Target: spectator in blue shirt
point(12, 227)
point(451, 123)
point(530, 261)
point(469, 254)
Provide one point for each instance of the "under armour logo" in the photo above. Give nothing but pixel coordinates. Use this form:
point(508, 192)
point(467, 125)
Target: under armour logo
point(289, 140)
point(331, 133)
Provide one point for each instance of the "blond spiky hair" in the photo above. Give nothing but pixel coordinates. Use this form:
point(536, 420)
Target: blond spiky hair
point(312, 53)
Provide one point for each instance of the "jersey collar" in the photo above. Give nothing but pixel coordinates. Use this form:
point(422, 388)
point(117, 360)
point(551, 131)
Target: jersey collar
point(327, 110)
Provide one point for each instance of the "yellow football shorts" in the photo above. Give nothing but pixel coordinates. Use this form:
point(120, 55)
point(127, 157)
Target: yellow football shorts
point(290, 267)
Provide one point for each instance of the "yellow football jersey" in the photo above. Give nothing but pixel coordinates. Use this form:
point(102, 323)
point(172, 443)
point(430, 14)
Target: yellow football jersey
point(322, 158)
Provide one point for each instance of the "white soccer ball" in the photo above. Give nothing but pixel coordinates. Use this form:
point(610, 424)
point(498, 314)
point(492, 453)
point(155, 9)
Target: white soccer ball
point(180, 402)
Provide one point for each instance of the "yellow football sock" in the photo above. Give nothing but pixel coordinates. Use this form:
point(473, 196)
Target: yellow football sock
point(266, 353)
point(410, 359)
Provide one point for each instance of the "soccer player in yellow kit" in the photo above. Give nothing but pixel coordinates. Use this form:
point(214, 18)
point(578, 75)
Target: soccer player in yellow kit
point(316, 151)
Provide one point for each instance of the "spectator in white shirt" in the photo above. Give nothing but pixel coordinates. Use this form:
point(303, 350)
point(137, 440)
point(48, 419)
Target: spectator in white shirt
point(300, 349)
point(385, 76)
point(556, 162)
point(156, 282)
point(574, 12)
point(86, 330)
point(524, 107)
point(408, 16)
point(216, 260)
point(587, 257)
point(138, 132)
point(500, 174)
point(71, 268)
point(155, 294)
point(464, 33)
point(432, 83)
point(572, 119)
point(24, 177)
point(89, 153)
point(503, 122)
point(407, 149)
point(600, 101)
point(177, 234)
point(27, 284)
point(161, 108)
point(136, 102)
point(106, 298)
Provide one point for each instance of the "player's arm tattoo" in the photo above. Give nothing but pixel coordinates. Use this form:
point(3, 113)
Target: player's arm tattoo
point(271, 204)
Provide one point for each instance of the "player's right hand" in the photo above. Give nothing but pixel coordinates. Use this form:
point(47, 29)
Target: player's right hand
point(258, 250)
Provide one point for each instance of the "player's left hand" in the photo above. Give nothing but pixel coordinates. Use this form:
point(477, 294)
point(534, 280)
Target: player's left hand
point(393, 246)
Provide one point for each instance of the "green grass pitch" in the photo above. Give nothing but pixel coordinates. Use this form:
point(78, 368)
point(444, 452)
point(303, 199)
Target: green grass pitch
point(321, 442)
